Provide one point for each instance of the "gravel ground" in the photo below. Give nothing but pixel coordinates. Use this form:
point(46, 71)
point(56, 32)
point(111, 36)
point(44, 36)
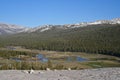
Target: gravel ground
point(87, 74)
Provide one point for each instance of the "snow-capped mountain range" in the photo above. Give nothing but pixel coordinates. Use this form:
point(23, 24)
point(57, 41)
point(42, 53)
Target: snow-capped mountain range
point(13, 29)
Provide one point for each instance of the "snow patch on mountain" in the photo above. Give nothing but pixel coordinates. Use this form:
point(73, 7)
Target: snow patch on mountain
point(45, 29)
point(39, 28)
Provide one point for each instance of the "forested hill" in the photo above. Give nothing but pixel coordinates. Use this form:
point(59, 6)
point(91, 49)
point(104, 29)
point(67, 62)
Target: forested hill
point(102, 38)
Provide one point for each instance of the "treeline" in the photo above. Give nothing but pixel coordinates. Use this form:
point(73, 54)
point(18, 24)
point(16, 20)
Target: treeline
point(103, 39)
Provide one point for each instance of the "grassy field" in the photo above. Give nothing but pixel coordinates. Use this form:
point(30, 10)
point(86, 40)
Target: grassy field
point(59, 60)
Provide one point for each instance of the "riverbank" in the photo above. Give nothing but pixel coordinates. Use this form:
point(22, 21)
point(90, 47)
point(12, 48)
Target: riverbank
point(87, 74)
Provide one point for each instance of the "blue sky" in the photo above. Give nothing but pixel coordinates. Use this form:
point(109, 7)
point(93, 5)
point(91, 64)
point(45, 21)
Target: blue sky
point(32, 13)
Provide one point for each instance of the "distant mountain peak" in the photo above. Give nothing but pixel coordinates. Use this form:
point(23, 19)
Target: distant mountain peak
point(117, 20)
point(10, 28)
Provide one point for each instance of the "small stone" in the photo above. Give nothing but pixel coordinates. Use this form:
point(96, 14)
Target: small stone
point(69, 69)
point(48, 69)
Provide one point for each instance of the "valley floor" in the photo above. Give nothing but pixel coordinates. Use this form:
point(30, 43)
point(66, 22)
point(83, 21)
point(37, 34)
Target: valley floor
point(87, 74)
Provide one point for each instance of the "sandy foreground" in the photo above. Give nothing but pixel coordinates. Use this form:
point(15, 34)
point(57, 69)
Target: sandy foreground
point(87, 74)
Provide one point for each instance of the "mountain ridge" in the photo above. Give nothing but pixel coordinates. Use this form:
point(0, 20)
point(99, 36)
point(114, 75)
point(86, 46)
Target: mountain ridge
point(13, 29)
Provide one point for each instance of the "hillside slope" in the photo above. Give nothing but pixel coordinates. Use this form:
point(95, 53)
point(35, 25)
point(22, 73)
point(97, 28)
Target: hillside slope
point(101, 38)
